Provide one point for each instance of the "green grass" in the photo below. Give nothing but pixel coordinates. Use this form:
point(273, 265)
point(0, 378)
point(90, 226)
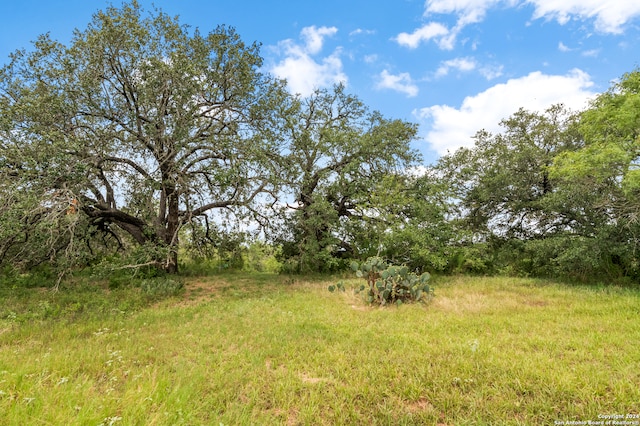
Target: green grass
point(262, 349)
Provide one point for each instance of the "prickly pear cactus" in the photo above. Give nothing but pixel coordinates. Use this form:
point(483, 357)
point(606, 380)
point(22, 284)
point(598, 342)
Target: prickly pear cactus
point(388, 284)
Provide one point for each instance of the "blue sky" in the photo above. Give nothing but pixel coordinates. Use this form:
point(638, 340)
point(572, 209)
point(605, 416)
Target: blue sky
point(453, 66)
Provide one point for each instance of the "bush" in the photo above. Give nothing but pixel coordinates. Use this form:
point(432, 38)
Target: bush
point(161, 287)
point(388, 284)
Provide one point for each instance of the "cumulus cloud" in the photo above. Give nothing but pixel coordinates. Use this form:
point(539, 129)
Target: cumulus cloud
point(300, 67)
point(400, 83)
point(468, 11)
point(608, 18)
point(432, 30)
point(314, 37)
point(452, 128)
point(563, 47)
point(460, 64)
point(467, 65)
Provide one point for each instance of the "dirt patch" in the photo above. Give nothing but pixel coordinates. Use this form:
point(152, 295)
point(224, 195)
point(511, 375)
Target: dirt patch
point(420, 405)
point(469, 302)
point(313, 380)
point(535, 303)
point(197, 292)
point(361, 308)
point(290, 416)
point(478, 302)
point(268, 365)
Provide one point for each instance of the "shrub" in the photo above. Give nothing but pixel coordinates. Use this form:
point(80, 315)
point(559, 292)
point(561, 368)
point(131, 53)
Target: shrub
point(389, 283)
point(161, 287)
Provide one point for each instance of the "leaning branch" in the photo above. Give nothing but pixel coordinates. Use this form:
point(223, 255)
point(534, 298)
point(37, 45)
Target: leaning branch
point(131, 163)
point(137, 265)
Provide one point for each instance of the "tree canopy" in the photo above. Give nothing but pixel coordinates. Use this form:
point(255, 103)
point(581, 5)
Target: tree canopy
point(147, 138)
point(338, 152)
point(139, 124)
point(554, 194)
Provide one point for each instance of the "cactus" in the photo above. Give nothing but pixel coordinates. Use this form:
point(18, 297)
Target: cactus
point(388, 284)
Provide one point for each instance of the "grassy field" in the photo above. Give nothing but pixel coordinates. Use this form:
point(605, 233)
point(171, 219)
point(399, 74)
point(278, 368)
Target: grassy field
point(263, 349)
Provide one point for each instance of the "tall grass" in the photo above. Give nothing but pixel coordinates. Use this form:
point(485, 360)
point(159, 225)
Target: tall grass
point(262, 349)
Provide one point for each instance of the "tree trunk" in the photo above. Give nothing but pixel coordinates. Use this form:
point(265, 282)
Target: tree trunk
point(171, 266)
point(171, 234)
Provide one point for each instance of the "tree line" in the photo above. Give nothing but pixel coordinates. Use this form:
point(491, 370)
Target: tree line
point(143, 140)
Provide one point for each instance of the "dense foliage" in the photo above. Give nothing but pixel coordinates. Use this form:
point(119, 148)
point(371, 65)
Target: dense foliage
point(554, 194)
point(138, 126)
point(338, 154)
point(143, 140)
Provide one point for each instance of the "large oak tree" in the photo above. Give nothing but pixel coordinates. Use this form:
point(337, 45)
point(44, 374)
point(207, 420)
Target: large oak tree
point(338, 152)
point(139, 126)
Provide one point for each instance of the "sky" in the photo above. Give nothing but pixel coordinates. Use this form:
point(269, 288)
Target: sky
point(453, 66)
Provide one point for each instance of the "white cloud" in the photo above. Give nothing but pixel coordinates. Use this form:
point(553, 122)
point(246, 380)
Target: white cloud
point(314, 37)
point(303, 72)
point(460, 64)
point(491, 71)
point(401, 83)
point(467, 65)
point(468, 11)
point(360, 31)
point(449, 42)
point(563, 47)
point(610, 16)
point(452, 128)
point(591, 53)
point(370, 59)
point(432, 30)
